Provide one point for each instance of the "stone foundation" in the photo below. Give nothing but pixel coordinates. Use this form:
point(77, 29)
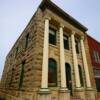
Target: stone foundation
point(91, 94)
point(80, 92)
point(64, 94)
point(44, 94)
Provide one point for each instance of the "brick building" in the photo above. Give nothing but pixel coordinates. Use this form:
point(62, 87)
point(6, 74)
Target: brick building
point(94, 48)
point(49, 59)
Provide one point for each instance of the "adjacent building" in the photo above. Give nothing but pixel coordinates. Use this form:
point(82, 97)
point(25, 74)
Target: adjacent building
point(50, 60)
point(94, 48)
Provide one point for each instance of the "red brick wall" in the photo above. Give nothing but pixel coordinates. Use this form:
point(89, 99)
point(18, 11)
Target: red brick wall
point(93, 45)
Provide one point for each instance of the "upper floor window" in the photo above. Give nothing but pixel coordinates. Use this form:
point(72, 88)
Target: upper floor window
point(52, 36)
point(96, 56)
point(77, 46)
point(66, 42)
point(26, 40)
point(17, 50)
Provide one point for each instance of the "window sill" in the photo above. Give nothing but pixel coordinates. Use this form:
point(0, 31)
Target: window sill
point(67, 51)
point(54, 46)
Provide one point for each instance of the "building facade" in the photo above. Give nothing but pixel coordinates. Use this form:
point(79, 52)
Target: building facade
point(50, 60)
point(94, 48)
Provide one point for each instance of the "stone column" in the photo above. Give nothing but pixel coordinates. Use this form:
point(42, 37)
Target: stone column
point(64, 92)
point(62, 59)
point(88, 83)
point(77, 79)
point(44, 93)
point(44, 82)
point(91, 93)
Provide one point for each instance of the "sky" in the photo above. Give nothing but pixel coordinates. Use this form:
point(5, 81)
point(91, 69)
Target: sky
point(15, 15)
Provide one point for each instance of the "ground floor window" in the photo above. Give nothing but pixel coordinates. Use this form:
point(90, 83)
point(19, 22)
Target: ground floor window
point(52, 73)
point(80, 75)
point(97, 84)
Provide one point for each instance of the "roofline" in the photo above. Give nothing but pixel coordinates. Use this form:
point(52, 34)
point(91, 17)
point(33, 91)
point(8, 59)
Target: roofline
point(93, 39)
point(50, 5)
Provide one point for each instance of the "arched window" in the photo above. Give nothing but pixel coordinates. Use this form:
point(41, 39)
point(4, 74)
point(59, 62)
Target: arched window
point(80, 75)
point(52, 72)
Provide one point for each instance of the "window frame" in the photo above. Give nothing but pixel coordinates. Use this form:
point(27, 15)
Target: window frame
point(26, 40)
point(52, 36)
point(20, 85)
point(81, 75)
point(77, 45)
point(67, 41)
point(54, 84)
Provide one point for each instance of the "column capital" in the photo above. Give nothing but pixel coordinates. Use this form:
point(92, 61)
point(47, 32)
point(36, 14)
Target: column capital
point(82, 37)
point(47, 17)
point(61, 25)
point(73, 32)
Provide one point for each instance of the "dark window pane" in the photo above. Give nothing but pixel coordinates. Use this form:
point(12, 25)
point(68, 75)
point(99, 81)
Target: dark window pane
point(17, 50)
point(98, 84)
point(68, 77)
point(11, 79)
point(21, 75)
point(77, 46)
point(27, 40)
point(66, 42)
point(80, 75)
point(52, 36)
point(52, 73)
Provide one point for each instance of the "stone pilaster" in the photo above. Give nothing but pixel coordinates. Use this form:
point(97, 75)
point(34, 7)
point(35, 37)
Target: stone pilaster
point(44, 93)
point(88, 83)
point(77, 79)
point(90, 93)
point(64, 92)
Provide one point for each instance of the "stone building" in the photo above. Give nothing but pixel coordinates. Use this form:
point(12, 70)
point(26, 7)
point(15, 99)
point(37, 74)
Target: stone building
point(94, 48)
point(50, 60)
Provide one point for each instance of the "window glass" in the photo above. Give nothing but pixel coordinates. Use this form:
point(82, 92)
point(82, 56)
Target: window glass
point(66, 42)
point(96, 56)
point(80, 75)
point(98, 84)
point(21, 75)
point(17, 50)
point(52, 73)
point(77, 46)
point(26, 40)
point(52, 36)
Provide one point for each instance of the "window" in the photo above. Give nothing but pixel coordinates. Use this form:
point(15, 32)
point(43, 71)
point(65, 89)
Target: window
point(21, 75)
point(26, 40)
point(52, 36)
point(66, 42)
point(98, 84)
point(77, 46)
point(52, 73)
point(96, 56)
point(68, 77)
point(11, 76)
point(80, 75)
point(17, 50)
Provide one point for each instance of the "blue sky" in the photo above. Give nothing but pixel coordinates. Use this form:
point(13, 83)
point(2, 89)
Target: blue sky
point(15, 15)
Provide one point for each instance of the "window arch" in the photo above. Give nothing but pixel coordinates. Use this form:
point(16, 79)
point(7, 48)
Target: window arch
point(52, 72)
point(80, 75)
